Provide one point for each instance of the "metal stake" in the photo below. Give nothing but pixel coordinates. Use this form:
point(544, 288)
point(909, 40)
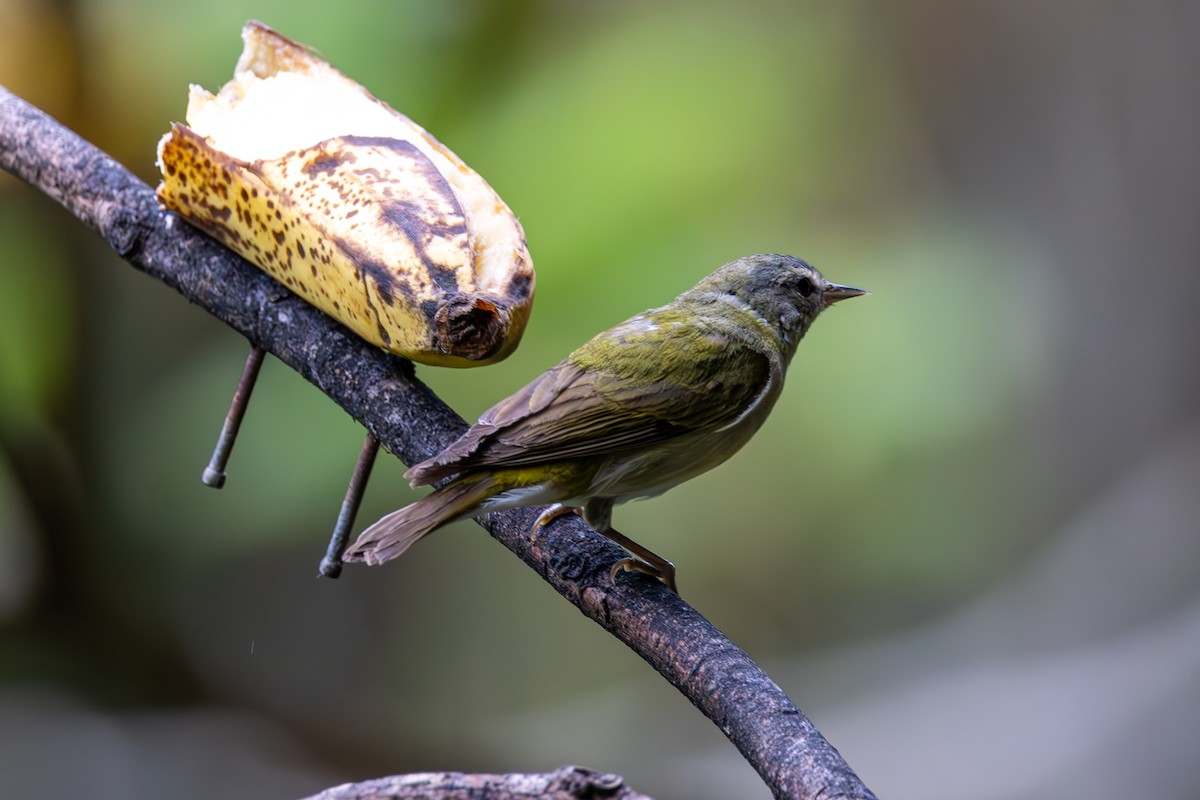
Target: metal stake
point(331, 564)
point(214, 473)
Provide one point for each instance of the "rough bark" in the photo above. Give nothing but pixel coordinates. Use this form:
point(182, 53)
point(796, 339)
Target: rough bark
point(382, 392)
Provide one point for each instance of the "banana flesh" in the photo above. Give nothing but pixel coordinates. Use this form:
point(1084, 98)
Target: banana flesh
point(351, 205)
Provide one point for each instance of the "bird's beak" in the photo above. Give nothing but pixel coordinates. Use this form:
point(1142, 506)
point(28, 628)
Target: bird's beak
point(834, 292)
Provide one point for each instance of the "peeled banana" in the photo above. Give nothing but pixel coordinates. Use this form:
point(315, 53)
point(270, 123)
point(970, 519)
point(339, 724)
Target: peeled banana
point(351, 205)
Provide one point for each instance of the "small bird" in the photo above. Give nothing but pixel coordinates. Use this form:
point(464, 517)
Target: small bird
point(656, 400)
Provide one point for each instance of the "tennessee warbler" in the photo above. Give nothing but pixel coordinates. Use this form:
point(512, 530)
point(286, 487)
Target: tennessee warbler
point(642, 407)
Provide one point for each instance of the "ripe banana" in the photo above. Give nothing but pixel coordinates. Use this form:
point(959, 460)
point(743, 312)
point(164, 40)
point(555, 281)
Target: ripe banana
point(351, 205)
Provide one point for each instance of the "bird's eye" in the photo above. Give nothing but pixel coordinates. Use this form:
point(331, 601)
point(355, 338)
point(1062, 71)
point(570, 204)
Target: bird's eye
point(805, 286)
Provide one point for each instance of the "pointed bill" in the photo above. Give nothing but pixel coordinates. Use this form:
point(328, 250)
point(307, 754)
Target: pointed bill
point(834, 292)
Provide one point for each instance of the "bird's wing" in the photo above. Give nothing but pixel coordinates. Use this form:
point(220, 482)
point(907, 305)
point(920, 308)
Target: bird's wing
point(632, 387)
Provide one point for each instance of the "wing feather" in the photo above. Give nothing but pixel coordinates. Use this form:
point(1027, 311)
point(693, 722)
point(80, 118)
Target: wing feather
point(618, 392)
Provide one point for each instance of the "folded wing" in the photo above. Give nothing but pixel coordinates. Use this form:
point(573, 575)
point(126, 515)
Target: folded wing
point(626, 389)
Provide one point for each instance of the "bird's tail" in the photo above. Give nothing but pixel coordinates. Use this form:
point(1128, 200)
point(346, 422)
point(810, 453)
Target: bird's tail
point(396, 532)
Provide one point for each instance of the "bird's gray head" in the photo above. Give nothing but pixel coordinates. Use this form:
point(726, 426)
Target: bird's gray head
point(786, 292)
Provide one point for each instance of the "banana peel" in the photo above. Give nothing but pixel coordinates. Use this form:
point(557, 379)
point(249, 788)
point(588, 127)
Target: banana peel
point(351, 205)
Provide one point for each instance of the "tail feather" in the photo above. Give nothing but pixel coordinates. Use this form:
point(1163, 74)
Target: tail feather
point(397, 531)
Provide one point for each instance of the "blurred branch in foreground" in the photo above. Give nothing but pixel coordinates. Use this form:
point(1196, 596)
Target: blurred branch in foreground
point(381, 392)
point(565, 783)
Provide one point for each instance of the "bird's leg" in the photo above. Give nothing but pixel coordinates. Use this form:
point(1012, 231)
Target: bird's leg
point(647, 562)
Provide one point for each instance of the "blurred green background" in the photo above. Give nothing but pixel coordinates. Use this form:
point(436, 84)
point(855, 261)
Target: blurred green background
point(967, 543)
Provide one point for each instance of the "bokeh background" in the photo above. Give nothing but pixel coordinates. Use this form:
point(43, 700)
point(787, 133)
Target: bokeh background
point(967, 543)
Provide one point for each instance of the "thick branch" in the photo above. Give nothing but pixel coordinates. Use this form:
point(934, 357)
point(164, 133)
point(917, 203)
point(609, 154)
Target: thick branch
point(382, 393)
point(565, 783)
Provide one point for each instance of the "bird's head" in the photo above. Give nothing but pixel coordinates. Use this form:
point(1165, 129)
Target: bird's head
point(787, 292)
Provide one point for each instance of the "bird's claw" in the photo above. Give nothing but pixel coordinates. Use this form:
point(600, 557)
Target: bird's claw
point(549, 515)
point(664, 574)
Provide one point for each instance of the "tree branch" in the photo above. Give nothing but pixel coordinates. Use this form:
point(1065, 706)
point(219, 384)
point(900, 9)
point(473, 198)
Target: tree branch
point(382, 392)
point(565, 783)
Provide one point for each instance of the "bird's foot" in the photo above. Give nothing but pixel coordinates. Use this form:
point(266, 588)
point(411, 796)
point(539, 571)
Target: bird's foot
point(664, 573)
point(643, 560)
point(549, 515)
